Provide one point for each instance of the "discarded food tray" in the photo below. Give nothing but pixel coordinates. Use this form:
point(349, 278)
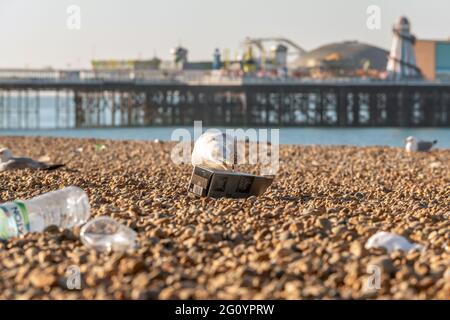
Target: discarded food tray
point(206, 182)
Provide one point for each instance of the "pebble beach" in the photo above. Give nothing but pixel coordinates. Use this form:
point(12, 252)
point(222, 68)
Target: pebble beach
point(303, 239)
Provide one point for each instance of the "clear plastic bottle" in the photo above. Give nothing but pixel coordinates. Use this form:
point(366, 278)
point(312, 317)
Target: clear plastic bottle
point(64, 208)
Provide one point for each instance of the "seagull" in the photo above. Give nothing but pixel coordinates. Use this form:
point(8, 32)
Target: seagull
point(9, 162)
point(413, 144)
point(214, 150)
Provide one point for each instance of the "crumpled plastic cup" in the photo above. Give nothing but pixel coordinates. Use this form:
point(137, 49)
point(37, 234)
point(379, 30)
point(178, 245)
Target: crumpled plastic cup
point(215, 150)
point(391, 242)
point(105, 234)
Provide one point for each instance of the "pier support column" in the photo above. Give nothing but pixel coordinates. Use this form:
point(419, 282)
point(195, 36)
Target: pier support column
point(79, 115)
point(373, 112)
point(342, 107)
point(405, 104)
point(355, 108)
point(435, 109)
point(247, 101)
point(148, 108)
point(392, 108)
point(320, 108)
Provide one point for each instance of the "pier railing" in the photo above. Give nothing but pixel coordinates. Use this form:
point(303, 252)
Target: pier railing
point(193, 77)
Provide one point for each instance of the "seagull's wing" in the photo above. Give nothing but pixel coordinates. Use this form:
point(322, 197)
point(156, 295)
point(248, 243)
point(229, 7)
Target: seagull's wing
point(424, 145)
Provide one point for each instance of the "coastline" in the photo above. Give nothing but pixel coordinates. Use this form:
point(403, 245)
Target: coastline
point(304, 238)
point(364, 136)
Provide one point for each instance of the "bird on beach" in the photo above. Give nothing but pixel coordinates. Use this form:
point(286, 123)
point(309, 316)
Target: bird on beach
point(415, 145)
point(9, 162)
point(215, 150)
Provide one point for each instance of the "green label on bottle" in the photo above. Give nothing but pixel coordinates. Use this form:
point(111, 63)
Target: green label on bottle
point(13, 220)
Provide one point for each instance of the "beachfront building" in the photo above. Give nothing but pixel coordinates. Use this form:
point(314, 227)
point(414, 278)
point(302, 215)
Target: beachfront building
point(433, 58)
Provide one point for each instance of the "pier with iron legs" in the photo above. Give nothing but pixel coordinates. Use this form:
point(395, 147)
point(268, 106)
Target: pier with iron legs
point(101, 103)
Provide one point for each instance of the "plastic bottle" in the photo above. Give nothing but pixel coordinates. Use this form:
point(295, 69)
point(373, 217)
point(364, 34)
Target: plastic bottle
point(64, 208)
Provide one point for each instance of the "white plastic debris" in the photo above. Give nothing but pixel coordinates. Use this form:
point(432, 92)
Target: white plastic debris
point(391, 242)
point(214, 150)
point(106, 234)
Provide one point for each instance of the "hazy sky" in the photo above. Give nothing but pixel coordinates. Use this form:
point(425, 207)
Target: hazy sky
point(34, 33)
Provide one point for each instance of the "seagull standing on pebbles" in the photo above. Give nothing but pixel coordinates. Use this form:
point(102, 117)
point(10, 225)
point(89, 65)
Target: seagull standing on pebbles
point(413, 144)
point(9, 162)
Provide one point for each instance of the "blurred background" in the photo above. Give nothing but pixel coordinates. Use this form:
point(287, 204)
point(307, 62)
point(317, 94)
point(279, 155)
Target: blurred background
point(363, 73)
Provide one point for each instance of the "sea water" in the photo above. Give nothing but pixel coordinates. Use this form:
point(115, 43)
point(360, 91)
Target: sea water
point(288, 135)
point(307, 136)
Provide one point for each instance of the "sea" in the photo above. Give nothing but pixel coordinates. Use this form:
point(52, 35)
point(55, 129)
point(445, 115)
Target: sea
point(393, 137)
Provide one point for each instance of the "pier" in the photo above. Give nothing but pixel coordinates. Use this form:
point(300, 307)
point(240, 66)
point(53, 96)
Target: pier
point(88, 99)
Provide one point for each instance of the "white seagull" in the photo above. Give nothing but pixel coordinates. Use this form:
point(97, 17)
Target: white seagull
point(9, 162)
point(413, 144)
point(215, 150)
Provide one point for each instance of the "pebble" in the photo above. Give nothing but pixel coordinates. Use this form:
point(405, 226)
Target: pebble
point(41, 278)
point(384, 263)
point(357, 249)
point(323, 223)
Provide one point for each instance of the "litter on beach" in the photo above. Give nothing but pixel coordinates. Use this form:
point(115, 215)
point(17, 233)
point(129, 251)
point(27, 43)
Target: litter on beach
point(215, 150)
point(65, 208)
point(391, 242)
point(106, 234)
point(214, 183)
point(100, 147)
point(214, 159)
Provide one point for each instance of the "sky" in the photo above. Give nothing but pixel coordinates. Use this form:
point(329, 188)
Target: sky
point(35, 34)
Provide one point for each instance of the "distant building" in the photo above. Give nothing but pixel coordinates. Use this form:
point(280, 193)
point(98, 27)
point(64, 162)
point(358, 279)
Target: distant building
point(111, 64)
point(433, 58)
point(217, 60)
point(279, 55)
point(346, 58)
point(249, 65)
point(198, 65)
point(180, 57)
point(181, 62)
point(402, 58)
